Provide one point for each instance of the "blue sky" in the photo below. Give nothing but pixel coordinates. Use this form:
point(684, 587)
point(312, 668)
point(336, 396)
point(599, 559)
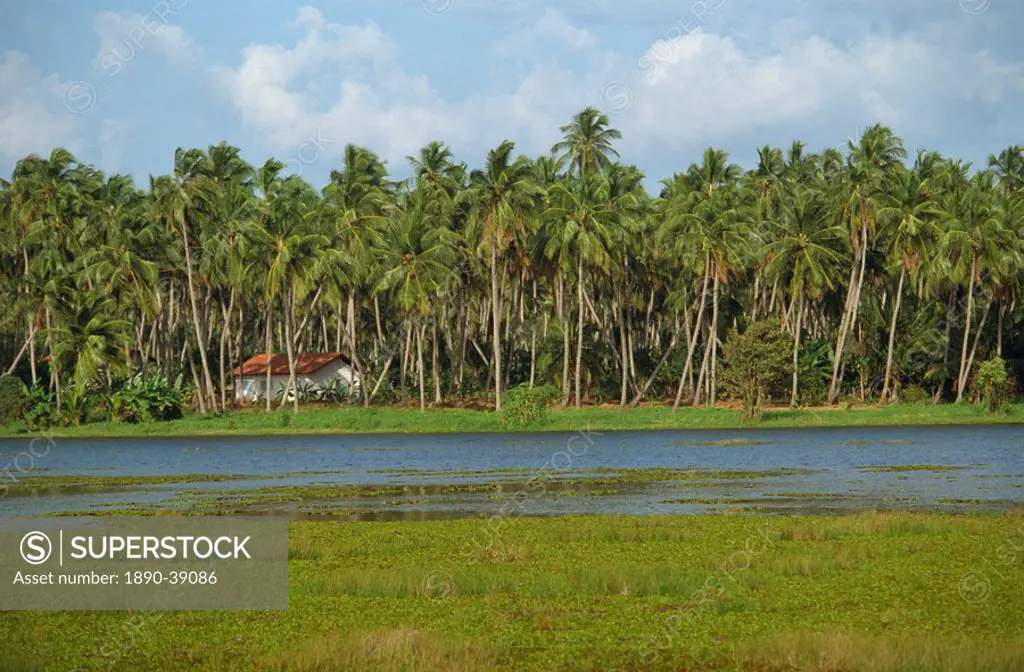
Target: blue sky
point(123, 83)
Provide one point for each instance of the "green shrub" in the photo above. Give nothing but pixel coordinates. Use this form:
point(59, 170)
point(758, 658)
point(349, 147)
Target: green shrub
point(993, 379)
point(524, 406)
point(914, 394)
point(756, 362)
point(40, 408)
point(147, 399)
point(13, 397)
point(76, 404)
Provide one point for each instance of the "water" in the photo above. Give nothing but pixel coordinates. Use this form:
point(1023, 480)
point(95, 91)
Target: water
point(810, 470)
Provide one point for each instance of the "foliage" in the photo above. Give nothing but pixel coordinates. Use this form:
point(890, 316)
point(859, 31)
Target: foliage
point(146, 399)
point(526, 406)
point(562, 268)
point(13, 398)
point(914, 394)
point(756, 360)
point(993, 378)
point(76, 404)
point(41, 408)
point(804, 599)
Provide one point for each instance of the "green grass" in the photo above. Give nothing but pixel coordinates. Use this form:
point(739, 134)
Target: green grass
point(875, 591)
point(389, 419)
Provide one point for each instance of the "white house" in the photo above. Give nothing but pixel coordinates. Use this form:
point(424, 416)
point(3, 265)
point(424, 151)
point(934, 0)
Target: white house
point(315, 371)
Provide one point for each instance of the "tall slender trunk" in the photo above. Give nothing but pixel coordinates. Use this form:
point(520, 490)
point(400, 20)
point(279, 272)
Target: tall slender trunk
point(623, 360)
point(289, 342)
point(564, 316)
point(796, 350)
point(496, 326)
point(579, 331)
point(892, 335)
point(405, 363)
point(713, 378)
point(434, 372)
point(32, 349)
point(691, 342)
point(24, 347)
point(849, 315)
point(196, 318)
point(270, 352)
point(420, 333)
point(225, 334)
point(999, 329)
point(974, 348)
point(961, 377)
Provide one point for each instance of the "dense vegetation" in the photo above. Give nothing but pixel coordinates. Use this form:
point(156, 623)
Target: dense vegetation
point(892, 278)
point(876, 592)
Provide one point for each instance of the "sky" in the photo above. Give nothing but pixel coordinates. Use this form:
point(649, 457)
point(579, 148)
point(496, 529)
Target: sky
point(122, 83)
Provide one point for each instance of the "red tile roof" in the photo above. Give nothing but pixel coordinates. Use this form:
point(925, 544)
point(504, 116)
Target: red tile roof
point(304, 364)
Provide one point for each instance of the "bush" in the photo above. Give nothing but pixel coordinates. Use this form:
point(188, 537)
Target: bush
point(914, 394)
point(147, 399)
point(40, 408)
point(13, 397)
point(756, 361)
point(524, 406)
point(993, 379)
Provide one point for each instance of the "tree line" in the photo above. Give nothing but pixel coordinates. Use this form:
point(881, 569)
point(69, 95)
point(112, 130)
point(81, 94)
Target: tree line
point(891, 277)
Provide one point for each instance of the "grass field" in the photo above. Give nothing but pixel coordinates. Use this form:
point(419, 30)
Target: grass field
point(315, 420)
point(873, 592)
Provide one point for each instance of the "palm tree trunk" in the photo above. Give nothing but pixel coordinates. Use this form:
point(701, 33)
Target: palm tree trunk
point(892, 335)
point(960, 379)
point(579, 330)
point(496, 317)
point(434, 373)
point(405, 363)
point(849, 315)
point(796, 350)
point(196, 322)
point(714, 345)
point(564, 317)
point(420, 333)
point(24, 347)
point(289, 342)
point(225, 334)
point(999, 330)
point(974, 348)
point(692, 340)
point(269, 352)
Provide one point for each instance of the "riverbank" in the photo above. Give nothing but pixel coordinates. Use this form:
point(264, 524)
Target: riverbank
point(874, 591)
point(604, 418)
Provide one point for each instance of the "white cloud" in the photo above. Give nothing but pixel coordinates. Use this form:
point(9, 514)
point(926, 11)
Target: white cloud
point(551, 27)
point(124, 36)
point(347, 83)
point(32, 115)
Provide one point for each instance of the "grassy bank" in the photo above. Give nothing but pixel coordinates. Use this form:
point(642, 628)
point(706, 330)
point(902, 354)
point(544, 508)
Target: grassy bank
point(399, 420)
point(876, 592)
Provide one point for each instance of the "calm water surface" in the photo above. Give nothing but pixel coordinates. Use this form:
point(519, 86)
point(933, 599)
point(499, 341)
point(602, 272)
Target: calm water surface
point(824, 470)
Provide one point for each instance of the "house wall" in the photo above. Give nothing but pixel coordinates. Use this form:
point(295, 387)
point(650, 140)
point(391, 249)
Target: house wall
point(252, 388)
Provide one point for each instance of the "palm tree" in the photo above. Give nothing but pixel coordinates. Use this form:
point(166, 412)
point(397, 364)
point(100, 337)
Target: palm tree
point(909, 217)
point(181, 199)
point(91, 338)
point(580, 232)
point(503, 196)
point(415, 258)
point(587, 142)
point(869, 169)
point(806, 251)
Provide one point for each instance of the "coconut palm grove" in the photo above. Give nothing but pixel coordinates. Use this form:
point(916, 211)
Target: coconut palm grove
point(890, 274)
